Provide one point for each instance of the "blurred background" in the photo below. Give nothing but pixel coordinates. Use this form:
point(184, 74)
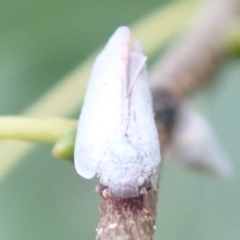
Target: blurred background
point(44, 198)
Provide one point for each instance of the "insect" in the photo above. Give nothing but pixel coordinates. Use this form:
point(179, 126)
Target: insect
point(116, 137)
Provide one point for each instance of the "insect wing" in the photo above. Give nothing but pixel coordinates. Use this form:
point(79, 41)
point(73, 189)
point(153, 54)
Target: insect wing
point(141, 122)
point(105, 105)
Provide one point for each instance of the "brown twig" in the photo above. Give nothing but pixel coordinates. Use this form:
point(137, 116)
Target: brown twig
point(189, 63)
point(128, 219)
point(184, 68)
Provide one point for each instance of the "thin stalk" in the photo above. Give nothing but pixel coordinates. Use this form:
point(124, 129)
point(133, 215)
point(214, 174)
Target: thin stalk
point(47, 130)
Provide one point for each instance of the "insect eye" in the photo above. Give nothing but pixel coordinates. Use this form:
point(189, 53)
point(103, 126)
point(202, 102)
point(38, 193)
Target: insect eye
point(140, 181)
point(104, 180)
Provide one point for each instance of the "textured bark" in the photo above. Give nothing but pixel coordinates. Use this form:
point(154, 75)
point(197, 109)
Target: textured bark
point(127, 219)
point(182, 70)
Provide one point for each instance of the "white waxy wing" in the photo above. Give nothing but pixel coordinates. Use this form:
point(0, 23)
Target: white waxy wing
point(141, 118)
point(104, 111)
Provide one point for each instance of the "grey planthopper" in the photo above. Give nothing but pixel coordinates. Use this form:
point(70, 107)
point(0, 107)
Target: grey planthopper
point(117, 138)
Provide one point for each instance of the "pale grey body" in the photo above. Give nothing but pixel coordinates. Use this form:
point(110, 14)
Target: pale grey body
point(124, 169)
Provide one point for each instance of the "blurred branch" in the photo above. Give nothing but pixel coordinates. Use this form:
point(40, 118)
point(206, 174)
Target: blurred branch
point(232, 43)
point(187, 65)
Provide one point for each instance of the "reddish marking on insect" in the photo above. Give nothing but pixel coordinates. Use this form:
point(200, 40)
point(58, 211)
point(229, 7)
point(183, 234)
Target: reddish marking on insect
point(135, 116)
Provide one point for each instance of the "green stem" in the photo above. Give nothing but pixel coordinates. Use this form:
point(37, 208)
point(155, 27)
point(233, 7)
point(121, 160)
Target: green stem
point(47, 130)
